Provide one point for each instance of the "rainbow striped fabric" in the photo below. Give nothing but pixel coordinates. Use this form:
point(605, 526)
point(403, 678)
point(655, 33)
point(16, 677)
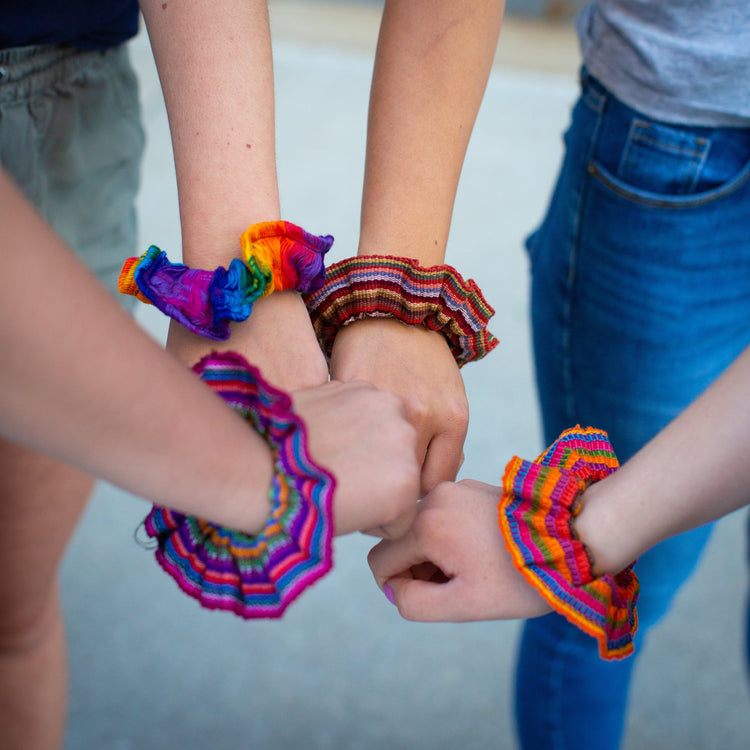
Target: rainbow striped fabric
point(381, 285)
point(539, 502)
point(258, 576)
point(277, 255)
point(292, 256)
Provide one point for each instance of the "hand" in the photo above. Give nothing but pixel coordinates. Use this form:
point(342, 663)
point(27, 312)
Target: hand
point(417, 365)
point(278, 338)
point(452, 565)
point(361, 435)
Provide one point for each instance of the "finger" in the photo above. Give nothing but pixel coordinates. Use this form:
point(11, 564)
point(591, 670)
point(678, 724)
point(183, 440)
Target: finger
point(376, 531)
point(395, 530)
point(396, 557)
point(442, 461)
point(422, 445)
point(388, 532)
point(353, 384)
point(426, 601)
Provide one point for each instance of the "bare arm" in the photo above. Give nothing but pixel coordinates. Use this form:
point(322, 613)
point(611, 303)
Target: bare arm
point(215, 66)
point(432, 65)
point(694, 471)
point(433, 61)
point(79, 380)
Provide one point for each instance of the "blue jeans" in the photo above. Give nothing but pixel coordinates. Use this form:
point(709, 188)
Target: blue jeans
point(640, 298)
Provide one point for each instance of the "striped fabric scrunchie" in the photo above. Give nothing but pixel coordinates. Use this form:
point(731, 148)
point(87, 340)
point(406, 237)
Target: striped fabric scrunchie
point(254, 576)
point(536, 511)
point(385, 286)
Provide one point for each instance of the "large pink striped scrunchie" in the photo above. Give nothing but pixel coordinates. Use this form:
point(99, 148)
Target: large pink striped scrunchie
point(254, 576)
point(437, 297)
point(539, 503)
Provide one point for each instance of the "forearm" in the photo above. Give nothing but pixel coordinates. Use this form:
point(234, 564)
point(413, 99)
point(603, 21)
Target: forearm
point(432, 65)
point(431, 68)
point(80, 381)
point(215, 67)
point(216, 70)
point(694, 471)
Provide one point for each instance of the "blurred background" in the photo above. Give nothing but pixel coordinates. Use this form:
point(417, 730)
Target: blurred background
point(341, 671)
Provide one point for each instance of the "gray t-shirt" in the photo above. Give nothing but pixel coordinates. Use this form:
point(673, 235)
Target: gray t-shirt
point(680, 61)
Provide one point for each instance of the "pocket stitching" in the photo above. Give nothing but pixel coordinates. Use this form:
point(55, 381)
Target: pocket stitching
point(644, 197)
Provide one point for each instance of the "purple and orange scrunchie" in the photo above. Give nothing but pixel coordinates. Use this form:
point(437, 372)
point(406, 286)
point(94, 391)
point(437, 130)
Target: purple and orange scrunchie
point(277, 255)
point(536, 512)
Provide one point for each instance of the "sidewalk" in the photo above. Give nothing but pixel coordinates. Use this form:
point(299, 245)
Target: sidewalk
point(341, 671)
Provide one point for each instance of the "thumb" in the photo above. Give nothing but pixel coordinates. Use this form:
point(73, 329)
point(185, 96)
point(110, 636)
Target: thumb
point(442, 461)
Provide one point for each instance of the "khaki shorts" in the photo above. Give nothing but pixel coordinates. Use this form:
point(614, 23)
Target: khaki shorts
point(71, 137)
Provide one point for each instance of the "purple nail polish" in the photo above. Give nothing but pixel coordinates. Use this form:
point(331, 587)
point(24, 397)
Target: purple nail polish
point(389, 595)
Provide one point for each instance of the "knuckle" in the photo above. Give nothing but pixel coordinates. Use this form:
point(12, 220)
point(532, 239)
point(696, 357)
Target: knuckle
point(443, 492)
point(408, 435)
point(431, 523)
point(418, 410)
point(396, 512)
point(457, 413)
point(468, 485)
point(392, 404)
point(409, 480)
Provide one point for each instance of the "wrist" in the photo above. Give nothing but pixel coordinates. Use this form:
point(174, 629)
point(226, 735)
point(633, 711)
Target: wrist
point(378, 286)
point(254, 575)
point(539, 509)
point(210, 239)
point(279, 338)
point(383, 331)
point(250, 495)
point(600, 526)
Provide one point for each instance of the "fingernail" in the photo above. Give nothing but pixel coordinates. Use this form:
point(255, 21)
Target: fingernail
point(389, 595)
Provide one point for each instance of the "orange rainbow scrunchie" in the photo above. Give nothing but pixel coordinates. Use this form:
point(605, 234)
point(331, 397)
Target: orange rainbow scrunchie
point(539, 503)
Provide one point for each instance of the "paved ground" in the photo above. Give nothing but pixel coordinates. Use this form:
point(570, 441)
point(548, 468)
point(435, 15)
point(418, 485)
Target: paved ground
point(151, 671)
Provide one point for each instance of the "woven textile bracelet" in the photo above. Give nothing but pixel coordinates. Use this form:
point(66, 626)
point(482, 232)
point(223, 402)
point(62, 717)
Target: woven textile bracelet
point(539, 503)
point(277, 255)
point(254, 576)
point(385, 286)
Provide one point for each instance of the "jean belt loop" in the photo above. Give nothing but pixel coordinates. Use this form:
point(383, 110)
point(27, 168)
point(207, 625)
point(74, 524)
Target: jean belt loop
point(592, 91)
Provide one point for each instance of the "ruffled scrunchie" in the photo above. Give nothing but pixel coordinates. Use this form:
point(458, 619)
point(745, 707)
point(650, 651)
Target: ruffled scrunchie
point(254, 576)
point(437, 297)
point(277, 255)
point(539, 504)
